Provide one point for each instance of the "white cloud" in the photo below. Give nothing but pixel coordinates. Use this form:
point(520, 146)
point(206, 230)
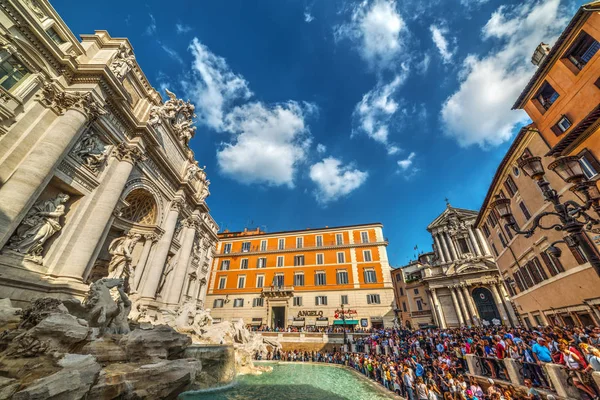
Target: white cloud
point(335, 180)
point(473, 3)
point(406, 166)
point(391, 150)
point(480, 111)
point(321, 148)
point(377, 28)
point(308, 17)
point(214, 86)
point(151, 28)
point(438, 36)
point(171, 52)
point(423, 65)
point(407, 162)
point(181, 28)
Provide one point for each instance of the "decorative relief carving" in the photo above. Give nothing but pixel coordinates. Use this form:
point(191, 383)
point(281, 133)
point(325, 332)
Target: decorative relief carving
point(72, 173)
point(35, 7)
point(154, 237)
point(54, 97)
point(91, 151)
point(178, 204)
point(132, 154)
point(178, 114)
point(123, 62)
point(39, 225)
point(120, 265)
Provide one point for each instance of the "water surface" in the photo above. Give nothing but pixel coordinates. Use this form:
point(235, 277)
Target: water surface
point(297, 382)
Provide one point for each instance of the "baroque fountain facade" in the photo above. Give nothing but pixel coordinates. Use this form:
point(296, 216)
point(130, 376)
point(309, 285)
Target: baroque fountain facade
point(106, 239)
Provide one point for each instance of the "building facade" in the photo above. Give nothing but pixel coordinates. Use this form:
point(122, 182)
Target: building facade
point(303, 278)
point(97, 177)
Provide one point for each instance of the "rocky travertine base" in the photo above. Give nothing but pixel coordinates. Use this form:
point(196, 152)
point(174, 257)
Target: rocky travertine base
point(47, 353)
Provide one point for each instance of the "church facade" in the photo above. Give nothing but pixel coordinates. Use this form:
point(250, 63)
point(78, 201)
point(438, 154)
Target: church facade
point(97, 178)
point(460, 285)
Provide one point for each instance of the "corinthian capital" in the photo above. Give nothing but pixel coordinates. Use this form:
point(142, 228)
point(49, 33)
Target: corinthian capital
point(190, 222)
point(178, 204)
point(58, 100)
point(128, 153)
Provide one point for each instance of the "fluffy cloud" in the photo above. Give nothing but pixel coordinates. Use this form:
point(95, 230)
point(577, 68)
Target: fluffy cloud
point(308, 17)
point(335, 180)
point(438, 35)
point(376, 27)
point(181, 28)
point(407, 162)
point(406, 166)
point(480, 111)
point(214, 86)
point(171, 52)
point(268, 143)
point(321, 148)
point(151, 28)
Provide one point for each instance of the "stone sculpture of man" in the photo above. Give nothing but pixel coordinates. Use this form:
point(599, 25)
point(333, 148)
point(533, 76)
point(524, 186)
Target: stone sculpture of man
point(163, 279)
point(40, 223)
point(91, 151)
point(123, 62)
point(120, 264)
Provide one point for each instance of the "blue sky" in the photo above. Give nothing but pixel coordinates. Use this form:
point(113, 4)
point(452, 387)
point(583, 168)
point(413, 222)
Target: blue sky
point(325, 113)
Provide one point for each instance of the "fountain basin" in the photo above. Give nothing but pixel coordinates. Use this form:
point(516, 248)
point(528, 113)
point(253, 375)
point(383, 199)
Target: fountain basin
point(218, 364)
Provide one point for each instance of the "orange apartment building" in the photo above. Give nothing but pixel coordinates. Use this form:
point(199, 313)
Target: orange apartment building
point(303, 278)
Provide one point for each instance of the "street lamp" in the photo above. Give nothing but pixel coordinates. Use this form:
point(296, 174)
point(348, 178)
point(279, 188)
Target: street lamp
point(572, 216)
point(344, 328)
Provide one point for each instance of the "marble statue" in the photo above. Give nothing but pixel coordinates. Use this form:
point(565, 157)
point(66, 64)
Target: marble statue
point(91, 151)
point(171, 264)
point(39, 225)
point(123, 62)
point(205, 192)
point(180, 320)
point(120, 265)
point(178, 113)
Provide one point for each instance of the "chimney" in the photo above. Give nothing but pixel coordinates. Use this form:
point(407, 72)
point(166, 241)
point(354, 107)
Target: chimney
point(540, 54)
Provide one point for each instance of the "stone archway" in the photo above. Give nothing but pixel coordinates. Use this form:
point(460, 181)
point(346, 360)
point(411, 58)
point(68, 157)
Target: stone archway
point(142, 208)
point(486, 306)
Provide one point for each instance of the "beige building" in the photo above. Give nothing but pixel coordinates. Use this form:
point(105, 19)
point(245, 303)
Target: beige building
point(303, 278)
point(96, 174)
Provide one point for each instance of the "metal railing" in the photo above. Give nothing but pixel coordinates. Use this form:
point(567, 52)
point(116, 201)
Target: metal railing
point(536, 374)
point(492, 368)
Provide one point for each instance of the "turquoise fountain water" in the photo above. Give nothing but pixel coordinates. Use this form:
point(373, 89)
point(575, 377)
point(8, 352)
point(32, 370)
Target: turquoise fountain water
point(296, 382)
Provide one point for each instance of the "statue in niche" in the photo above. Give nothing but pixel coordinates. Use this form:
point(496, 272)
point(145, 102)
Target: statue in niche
point(120, 265)
point(171, 264)
point(194, 171)
point(35, 7)
point(205, 192)
point(178, 113)
point(91, 151)
point(178, 228)
point(39, 225)
point(123, 62)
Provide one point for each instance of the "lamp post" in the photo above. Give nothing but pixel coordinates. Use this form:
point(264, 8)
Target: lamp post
point(344, 327)
point(572, 216)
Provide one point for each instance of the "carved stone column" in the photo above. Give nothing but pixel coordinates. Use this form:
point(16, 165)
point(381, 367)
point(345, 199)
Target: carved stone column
point(438, 247)
point(21, 189)
point(499, 303)
point(433, 311)
point(438, 309)
point(463, 307)
point(474, 241)
point(149, 240)
point(73, 264)
point(484, 243)
point(444, 246)
point(470, 303)
point(456, 306)
point(153, 272)
point(175, 285)
point(451, 246)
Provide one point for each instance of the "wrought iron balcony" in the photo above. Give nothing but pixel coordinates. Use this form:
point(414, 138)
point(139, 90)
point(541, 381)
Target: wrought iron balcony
point(278, 291)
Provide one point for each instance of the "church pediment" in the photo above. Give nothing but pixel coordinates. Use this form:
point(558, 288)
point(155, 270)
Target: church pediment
point(470, 267)
point(452, 217)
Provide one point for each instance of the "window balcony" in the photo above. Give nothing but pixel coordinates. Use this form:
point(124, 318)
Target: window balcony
point(278, 291)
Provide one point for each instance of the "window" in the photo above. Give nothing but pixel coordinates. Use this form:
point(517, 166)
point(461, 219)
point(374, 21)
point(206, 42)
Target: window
point(486, 230)
point(538, 320)
point(495, 250)
point(539, 269)
point(227, 248)
point(419, 305)
point(502, 239)
point(281, 244)
point(11, 70)
point(260, 281)
point(404, 307)
point(582, 50)
point(297, 301)
point(258, 302)
point(493, 221)
point(339, 239)
point(321, 301)
point(299, 279)
point(238, 303)
point(373, 299)
point(218, 303)
point(519, 280)
point(280, 261)
point(510, 186)
point(508, 232)
point(527, 278)
point(244, 263)
point(263, 245)
point(245, 247)
point(401, 292)
point(55, 36)
point(342, 277)
point(299, 242)
point(319, 241)
point(546, 96)
point(367, 255)
point(261, 262)
point(225, 265)
point(561, 126)
point(416, 291)
point(241, 282)
point(298, 260)
point(578, 254)
point(278, 280)
point(340, 258)
point(535, 274)
point(525, 211)
point(320, 278)
point(364, 237)
point(320, 259)
point(589, 164)
point(370, 276)
point(464, 246)
point(554, 265)
point(344, 300)
point(222, 282)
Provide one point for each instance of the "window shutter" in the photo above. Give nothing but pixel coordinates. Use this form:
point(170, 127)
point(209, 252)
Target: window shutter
point(578, 257)
point(368, 299)
point(590, 158)
point(556, 130)
point(519, 280)
point(548, 263)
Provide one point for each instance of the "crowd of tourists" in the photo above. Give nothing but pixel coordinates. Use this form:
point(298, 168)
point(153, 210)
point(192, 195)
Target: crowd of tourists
point(308, 328)
point(431, 364)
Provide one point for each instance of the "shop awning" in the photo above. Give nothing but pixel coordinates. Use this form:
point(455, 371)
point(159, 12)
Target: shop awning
point(322, 322)
point(376, 319)
point(256, 322)
point(347, 322)
point(298, 322)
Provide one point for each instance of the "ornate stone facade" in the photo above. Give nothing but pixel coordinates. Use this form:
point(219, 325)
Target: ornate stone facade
point(95, 171)
point(459, 283)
